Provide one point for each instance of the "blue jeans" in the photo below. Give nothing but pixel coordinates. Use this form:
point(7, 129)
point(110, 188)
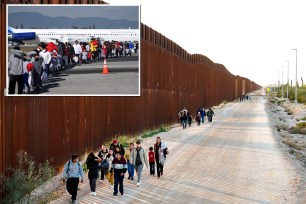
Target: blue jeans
point(130, 169)
point(47, 66)
point(139, 172)
point(118, 180)
point(61, 61)
point(25, 80)
point(203, 117)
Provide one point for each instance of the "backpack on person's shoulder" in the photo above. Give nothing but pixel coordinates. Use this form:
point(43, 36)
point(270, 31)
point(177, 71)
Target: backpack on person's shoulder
point(166, 150)
point(104, 165)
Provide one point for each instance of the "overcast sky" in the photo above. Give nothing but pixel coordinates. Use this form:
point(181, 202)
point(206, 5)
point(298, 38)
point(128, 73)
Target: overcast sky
point(111, 12)
point(252, 38)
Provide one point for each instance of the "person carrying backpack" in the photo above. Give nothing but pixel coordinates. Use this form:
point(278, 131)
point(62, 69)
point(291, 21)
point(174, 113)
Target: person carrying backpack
point(160, 150)
point(73, 171)
point(102, 154)
point(110, 175)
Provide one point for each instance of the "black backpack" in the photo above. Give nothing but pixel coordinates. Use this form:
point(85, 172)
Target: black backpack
point(104, 165)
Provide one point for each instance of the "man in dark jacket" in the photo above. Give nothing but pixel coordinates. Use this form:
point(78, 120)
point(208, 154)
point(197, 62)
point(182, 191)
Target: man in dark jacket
point(61, 53)
point(210, 114)
point(71, 53)
point(117, 147)
point(203, 114)
point(36, 72)
point(15, 70)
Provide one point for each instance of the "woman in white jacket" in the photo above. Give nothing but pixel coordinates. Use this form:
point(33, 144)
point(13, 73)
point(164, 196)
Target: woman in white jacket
point(47, 59)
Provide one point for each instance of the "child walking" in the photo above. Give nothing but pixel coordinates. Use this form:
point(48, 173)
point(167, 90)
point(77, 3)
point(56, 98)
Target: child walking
point(119, 168)
point(109, 174)
point(152, 161)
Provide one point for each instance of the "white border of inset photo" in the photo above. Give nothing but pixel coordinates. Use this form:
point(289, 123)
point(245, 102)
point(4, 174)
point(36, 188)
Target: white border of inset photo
point(74, 5)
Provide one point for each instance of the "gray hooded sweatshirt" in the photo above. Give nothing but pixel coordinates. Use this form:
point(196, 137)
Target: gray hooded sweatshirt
point(15, 65)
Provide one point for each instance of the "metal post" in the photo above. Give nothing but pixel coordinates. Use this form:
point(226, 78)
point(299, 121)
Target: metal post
point(295, 100)
point(288, 80)
point(282, 81)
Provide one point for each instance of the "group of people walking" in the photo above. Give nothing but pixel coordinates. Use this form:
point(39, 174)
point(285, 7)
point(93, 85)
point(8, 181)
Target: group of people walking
point(113, 163)
point(31, 70)
point(185, 116)
point(245, 97)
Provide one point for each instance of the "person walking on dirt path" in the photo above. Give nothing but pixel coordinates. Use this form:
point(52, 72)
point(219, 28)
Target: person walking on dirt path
point(159, 156)
point(102, 154)
point(119, 168)
point(130, 166)
point(203, 114)
point(189, 118)
point(184, 119)
point(73, 171)
point(110, 175)
point(198, 118)
point(151, 161)
point(210, 114)
point(92, 163)
point(117, 147)
point(139, 159)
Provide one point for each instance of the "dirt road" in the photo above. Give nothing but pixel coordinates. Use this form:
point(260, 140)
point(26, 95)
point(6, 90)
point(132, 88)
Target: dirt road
point(233, 160)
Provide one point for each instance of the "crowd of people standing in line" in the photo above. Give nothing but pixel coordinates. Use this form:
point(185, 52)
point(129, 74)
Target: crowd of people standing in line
point(113, 163)
point(185, 116)
point(33, 69)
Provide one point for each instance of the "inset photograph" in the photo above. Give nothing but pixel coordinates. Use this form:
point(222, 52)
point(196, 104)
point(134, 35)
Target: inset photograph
point(73, 50)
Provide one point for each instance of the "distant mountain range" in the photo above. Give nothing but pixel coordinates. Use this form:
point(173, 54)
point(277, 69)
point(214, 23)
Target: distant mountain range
point(33, 20)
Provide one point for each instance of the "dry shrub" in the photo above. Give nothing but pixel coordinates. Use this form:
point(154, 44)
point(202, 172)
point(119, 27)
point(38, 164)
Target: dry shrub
point(292, 144)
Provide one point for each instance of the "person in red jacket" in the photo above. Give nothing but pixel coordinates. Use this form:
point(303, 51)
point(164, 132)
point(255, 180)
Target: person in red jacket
point(152, 161)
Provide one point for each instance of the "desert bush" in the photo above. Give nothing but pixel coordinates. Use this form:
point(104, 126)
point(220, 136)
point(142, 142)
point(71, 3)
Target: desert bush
point(154, 132)
point(291, 98)
point(301, 125)
point(124, 140)
point(18, 182)
point(294, 130)
point(282, 126)
point(291, 151)
point(303, 131)
point(84, 167)
point(299, 156)
point(292, 144)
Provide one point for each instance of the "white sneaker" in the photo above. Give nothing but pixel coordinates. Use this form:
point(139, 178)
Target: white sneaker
point(138, 184)
point(94, 193)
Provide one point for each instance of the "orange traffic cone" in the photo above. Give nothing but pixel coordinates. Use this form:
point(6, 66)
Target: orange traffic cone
point(105, 69)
